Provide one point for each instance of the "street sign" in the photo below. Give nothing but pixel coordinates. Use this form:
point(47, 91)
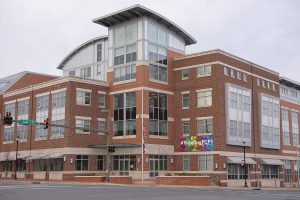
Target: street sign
point(26, 122)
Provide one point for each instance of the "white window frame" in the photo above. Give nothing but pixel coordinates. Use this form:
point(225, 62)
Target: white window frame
point(206, 101)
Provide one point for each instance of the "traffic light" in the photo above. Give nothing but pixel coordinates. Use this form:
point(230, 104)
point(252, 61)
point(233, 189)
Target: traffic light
point(46, 123)
point(144, 147)
point(8, 120)
point(111, 149)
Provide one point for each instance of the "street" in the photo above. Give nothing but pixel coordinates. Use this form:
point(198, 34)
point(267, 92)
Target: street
point(111, 192)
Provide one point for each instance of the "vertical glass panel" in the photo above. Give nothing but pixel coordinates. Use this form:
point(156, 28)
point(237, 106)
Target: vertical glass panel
point(152, 32)
point(119, 36)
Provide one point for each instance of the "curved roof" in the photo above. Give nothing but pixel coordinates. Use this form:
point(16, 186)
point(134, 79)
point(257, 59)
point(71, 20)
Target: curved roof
point(66, 59)
point(140, 11)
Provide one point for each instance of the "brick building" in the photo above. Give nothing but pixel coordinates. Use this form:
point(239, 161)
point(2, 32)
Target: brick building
point(194, 113)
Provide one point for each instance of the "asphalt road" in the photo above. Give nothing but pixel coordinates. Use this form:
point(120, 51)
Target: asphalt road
point(109, 192)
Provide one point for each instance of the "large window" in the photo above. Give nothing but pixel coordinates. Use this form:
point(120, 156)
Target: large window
point(83, 124)
point(125, 52)
point(58, 113)
point(125, 114)
point(158, 163)
point(238, 114)
point(22, 132)
point(205, 125)
point(10, 107)
point(204, 98)
point(270, 122)
point(185, 74)
point(287, 171)
point(269, 171)
point(158, 63)
point(295, 126)
point(285, 126)
point(21, 165)
point(82, 163)
point(23, 107)
point(86, 72)
point(39, 165)
point(123, 73)
point(186, 163)
point(8, 134)
point(185, 100)
point(42, 105)
point(101, 126)
point(236, 171)
point(204, 71)
point(83, 97)
point(205, 163)
point(56, 164)
point(158, 114)
point(100, 163)
point(124, 163)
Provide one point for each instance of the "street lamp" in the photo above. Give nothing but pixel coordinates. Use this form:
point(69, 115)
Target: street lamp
point(106, 111)
point(17, 140)
point(245, 164)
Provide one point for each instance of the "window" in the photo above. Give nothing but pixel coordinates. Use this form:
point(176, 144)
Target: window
point(23, 107)
point(284, 91)
point(86, 72)
point(236, 171)
point(21, 165)
point(204, 71)
point(158, 63)
point(295, 126)
point(204, 98)
point(101, 100)
point(125, 114)
point(99, 52)
point(22, 132)
point(58, 113)
point(185, 74)
point(99, 70)
point(297, 170)
point(238, 103)
point(287, 171)
point(82, 163)
point(84, 124)
point(185, 127)
point(263, 83)
point(258, 82)
point(125, 51)
point(7, 166)
point(293, 93)
point(124, 163)
point(100, 163)
point(232, 73)
point(56, 164)
point(39, 165)
point(245, 77)
point(270, 125)
point(158, 114)
point(205, 126)
point(186, 163)
point(239, 75)
point(269, 171)
point(158, 163)
point(123, 73)
point(285, 126)
point(185, 100)
point(83, 97)
point(42, 105)
point(8, 134)
point(205, 163)
point(72, 73)
point(101, 127)
point(274, 87)
point(226, 71)
point(156, 34)
point(11, 107)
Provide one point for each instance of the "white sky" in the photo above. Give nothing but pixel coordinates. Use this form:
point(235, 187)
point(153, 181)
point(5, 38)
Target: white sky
point(36, 35)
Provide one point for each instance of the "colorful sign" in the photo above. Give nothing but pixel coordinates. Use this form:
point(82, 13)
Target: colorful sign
point(196, 143)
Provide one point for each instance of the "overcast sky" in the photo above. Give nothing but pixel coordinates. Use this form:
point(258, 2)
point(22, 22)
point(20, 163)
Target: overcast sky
point(36, 35)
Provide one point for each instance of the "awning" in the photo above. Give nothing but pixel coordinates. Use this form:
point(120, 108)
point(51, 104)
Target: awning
point(103, 146)
point(11, 158)
point(239, 160)
point(46, 156)
point(271, 162)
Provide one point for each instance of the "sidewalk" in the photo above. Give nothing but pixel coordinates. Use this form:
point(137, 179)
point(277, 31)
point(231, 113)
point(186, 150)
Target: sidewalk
point(136, 184)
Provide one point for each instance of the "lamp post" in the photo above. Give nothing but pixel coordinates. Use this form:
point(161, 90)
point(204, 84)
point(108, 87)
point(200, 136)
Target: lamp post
point(106, 111)
point(245, 164)
point(17, 148)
